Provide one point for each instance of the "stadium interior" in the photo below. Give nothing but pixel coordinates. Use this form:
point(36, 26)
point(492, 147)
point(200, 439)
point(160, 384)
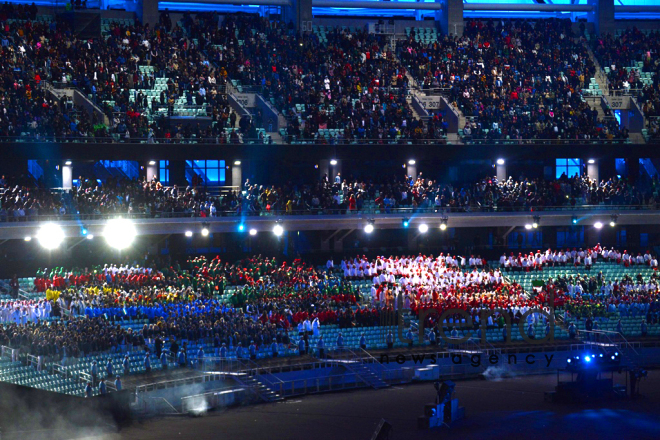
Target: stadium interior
point(402, 219)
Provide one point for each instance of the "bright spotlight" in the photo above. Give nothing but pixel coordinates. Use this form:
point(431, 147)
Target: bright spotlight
point(500, 161)
point(535, 225)
point(568, 360)
point(574, 219)
point(587, 358)
point(423, 228)
point(528, 226)
point(50, 236)
point(333, 162)
point(90, 236)
point(28, 238)
point(241, 227)
point(237, 162)
point(68, 163)
point(119, 233)
point(205, 232)
point(369, 228)
point(613, 219)
point(253, 232)
point(152, 162)
point(612, 224)
point(189, 234)
point(598, 225)
point(443, 226)
point(411, 162)
point(406, 223)
point(591, 161)
point(278, 230)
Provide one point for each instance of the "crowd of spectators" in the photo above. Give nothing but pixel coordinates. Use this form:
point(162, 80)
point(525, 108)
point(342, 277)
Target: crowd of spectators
point(627, 58)
point(513, 80)
point(187, 303)
point(149, 198)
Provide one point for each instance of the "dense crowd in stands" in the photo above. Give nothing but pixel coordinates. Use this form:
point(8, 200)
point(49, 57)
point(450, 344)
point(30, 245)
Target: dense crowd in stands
point(514, 79)
point(622, 55)
point(150, 198)
point(188, 303)
point(593, 294)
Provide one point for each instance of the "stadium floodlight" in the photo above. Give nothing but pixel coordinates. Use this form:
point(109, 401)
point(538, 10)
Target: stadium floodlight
point(500, 161)
point(278, 230)
point(27, 238)
point(369, 227)
point(253, 232)
point(412, 162)
point(423, 228)
point(528, 226)
point(50, 236)
point(119, 233)
point(189, 233)
point(333, 162)
point(598, 225)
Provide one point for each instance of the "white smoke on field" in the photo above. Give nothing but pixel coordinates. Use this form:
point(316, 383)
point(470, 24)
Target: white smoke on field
point(496, 374)
point(195, 402)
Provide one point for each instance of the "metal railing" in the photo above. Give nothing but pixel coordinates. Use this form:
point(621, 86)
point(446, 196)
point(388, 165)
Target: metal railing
point(469, 139)
point(336, 212)
point(176, 382)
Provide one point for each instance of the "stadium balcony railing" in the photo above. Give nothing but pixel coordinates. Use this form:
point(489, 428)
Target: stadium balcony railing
point(120, 139)
point(471, 141)
point(328, 212)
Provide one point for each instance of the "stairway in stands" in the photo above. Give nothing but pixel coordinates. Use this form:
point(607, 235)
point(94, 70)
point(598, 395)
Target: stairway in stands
point(364, 373)
point(258, 385)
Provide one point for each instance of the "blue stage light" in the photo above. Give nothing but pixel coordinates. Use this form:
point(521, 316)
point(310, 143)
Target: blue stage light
point(612, 357)
point(587, 358)
point(241, 227)
point(568, 360)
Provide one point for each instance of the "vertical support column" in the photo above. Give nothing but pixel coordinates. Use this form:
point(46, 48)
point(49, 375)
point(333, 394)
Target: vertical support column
point(592, 169)
point(331, 167)
point(237, 174)
point(500, 170)
point(602, 16)
point(147, 11)
point(324, 169)
point(450, 17)
point(67, 175)
point(411, 168)
point(152, 169)
point(300, 14)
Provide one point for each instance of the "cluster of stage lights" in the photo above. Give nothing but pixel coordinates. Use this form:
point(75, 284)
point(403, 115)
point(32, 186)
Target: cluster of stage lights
point(119, 234)
point(423, 228)
point(591, 359)
point(574, 220)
